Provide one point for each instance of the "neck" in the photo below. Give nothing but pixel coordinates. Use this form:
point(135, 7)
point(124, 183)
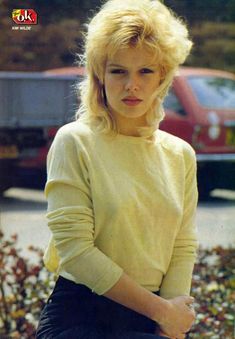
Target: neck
point(130, 127)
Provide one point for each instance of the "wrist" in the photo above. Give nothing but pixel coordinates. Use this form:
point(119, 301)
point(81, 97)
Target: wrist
point(161, 309)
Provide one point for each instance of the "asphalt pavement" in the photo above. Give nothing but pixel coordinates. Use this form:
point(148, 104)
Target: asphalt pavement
point(23, 212)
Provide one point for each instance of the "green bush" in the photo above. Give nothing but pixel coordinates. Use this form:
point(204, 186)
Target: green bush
point(25, 287)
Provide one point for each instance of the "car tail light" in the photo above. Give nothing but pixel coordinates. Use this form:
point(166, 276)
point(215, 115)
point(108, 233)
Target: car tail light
point(51, 132)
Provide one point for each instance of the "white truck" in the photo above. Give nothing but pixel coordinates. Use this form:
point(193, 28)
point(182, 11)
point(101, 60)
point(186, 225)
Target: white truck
point(32, 107)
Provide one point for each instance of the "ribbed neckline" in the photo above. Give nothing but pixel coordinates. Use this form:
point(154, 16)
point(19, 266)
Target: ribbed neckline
point(139, 139)
point(130, 139)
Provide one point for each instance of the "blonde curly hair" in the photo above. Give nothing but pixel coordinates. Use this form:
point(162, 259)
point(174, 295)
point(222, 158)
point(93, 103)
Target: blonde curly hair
point(130, 23)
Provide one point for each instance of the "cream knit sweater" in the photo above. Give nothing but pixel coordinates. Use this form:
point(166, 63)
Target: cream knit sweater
point(121, 203)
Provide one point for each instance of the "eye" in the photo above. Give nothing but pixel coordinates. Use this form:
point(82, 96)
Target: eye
point(146, 70)
point(117, 71)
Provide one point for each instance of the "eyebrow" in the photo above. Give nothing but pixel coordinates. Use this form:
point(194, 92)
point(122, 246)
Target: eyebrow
point(117, 65)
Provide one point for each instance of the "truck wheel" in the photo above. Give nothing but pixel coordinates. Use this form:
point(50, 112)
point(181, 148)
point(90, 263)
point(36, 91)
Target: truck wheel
point(204, 192)
point(205, 183)
point(3, 188)
point(7, 167)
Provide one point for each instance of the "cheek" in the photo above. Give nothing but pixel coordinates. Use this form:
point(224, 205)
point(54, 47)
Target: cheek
point(153, 87)
point(112, 86)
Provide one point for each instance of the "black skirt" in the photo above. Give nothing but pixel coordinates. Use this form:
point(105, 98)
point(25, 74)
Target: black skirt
point(73, 311)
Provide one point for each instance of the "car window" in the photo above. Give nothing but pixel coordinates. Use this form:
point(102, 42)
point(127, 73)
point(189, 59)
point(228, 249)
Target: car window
point(172, 102)
point(213, 92)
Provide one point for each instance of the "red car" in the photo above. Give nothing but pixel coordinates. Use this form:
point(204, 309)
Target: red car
point(200, 109)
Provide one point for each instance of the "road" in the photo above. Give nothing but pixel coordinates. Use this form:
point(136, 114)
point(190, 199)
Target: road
point(23, 211)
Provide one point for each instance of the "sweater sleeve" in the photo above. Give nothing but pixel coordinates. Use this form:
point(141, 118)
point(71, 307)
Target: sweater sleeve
point(177, 280)
point(71, 219)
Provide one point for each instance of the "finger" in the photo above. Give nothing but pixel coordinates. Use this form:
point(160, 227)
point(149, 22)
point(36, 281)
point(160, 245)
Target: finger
point(180, 336)
point(191, 306)
point(189, 300)
point(162, 334)
point(193, 312)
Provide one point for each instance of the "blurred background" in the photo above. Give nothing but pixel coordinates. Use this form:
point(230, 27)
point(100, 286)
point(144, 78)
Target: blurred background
point(38, 77)
point(57, 38)
point(38, 94)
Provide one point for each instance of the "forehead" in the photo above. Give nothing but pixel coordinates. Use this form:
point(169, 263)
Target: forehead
point(132, 57)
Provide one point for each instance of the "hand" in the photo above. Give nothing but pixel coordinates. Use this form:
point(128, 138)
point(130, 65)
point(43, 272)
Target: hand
point(178, 318)
point(164, 335)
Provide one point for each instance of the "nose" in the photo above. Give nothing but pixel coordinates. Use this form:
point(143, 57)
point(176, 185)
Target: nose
point(132, 83)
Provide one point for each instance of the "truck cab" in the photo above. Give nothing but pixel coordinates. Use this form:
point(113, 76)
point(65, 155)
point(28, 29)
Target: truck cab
point(33, 106)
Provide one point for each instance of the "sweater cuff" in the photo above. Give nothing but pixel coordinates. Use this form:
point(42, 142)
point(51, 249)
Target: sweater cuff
point(108, 281)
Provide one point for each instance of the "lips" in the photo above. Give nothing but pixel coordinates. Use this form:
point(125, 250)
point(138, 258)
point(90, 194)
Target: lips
point(131, 101)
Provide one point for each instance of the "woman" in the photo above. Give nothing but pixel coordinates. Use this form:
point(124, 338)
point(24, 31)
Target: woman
point(121, 193)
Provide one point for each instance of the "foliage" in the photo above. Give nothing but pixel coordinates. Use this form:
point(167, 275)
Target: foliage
point(24, 288)
point(214, 291)
point(57, 38)
point(44, 47)
point(195, 11)
point(214, 45)
point(192, 10)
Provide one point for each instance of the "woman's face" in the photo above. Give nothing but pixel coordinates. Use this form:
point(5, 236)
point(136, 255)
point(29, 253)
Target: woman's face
point(131, 80)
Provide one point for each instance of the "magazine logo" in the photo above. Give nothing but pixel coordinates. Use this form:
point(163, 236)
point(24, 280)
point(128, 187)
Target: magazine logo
point(24, 16)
